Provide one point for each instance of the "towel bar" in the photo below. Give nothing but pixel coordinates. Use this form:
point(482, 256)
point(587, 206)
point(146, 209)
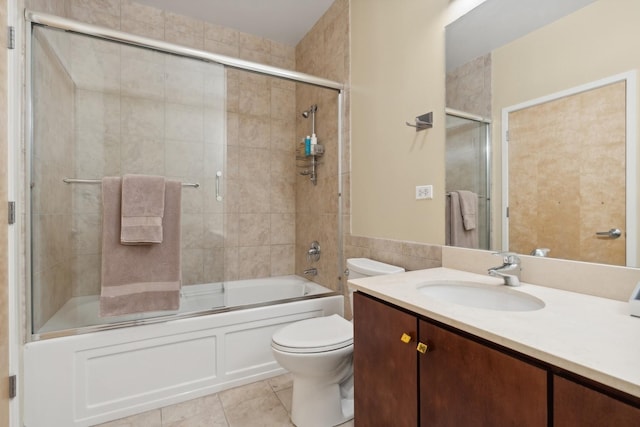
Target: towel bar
point(482, 196)
point(98, 181)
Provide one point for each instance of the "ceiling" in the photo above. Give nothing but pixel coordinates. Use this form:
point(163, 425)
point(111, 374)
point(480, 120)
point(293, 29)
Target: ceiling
point(495, 23)
point(284, 21)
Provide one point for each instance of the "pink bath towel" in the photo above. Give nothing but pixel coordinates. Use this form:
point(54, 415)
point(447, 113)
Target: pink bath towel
point(139, 278)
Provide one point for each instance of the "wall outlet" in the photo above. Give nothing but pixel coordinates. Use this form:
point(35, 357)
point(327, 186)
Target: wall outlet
point(424, 192)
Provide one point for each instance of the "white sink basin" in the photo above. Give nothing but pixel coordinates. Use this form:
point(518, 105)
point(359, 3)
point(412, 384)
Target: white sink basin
point(478, 295)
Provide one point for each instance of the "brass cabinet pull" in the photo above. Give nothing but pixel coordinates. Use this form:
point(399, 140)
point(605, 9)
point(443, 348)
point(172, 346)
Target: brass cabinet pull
point(422, 347)
point(405, 338)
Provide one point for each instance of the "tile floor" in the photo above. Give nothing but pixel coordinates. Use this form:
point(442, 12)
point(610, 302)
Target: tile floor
point(261, 404)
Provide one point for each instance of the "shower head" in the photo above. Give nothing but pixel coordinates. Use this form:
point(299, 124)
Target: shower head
point(311, 110)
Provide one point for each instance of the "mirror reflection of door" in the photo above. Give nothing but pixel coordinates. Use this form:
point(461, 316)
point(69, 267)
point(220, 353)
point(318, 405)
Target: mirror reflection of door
point(567, 176)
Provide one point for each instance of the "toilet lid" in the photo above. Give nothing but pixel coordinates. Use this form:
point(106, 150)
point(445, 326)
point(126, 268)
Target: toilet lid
point(314, 335)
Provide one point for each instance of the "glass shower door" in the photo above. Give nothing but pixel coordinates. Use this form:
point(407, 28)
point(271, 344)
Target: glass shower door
point(102, 108)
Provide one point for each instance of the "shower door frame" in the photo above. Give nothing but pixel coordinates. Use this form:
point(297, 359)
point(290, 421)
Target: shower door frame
point(487, 162)
point(33, 18)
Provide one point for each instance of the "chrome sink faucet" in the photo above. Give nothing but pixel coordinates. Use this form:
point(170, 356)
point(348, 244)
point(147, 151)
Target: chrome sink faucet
point(509, 270)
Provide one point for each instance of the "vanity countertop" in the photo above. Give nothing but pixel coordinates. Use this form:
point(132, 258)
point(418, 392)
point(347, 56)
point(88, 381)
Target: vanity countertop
point(590, 336)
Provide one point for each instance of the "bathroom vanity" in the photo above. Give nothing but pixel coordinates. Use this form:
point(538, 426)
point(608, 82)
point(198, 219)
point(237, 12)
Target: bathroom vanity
point(418, 361)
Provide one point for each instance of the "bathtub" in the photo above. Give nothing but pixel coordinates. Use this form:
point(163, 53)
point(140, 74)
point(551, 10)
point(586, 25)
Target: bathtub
point(220, 338)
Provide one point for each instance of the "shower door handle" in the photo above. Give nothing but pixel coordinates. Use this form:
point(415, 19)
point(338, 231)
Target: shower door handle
point(218, 176)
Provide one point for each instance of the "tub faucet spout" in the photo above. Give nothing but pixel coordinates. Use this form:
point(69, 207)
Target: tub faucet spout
point(310, 272)
point(509, 270)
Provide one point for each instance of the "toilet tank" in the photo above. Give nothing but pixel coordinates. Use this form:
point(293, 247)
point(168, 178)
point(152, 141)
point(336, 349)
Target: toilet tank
point(365, 267)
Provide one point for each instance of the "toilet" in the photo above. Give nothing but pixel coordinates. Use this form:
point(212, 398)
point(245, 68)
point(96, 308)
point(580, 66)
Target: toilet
point(318, 354)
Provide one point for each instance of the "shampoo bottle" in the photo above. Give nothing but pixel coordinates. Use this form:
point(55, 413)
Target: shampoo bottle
point(307, 146)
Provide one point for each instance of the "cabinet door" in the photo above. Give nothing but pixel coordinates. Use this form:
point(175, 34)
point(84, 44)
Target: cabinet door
point(575, 405)
point(465, 383)
point(385, 368)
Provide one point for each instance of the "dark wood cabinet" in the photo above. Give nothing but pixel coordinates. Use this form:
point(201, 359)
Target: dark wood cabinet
point(457, 382)
point(576, 405)
point(462, 380)
point(466, 383)
point(385, 377)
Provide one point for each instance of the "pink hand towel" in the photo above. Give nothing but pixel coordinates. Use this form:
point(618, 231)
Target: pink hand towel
point(468, 208)
point(142, 209)
point(457, 234)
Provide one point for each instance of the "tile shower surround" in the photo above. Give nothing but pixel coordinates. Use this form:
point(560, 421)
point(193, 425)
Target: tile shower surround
point(259, 219)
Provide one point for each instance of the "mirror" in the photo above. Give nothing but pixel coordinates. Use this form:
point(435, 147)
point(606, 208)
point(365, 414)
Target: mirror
point(503, 55)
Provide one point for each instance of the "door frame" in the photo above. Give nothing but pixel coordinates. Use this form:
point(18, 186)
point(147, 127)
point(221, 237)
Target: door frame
point(631, 172)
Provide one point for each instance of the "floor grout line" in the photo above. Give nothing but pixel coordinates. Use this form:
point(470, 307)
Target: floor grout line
point(253, 400)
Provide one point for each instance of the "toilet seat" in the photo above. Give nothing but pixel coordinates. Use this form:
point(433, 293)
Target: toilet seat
point(316, 335)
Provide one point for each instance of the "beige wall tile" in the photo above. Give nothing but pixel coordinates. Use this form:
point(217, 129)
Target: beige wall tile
point(97, 155)
point(283, 229)
point(254, 98)
point(141, 155)
point(85, 275)
point(221, 34)
point(184, 82)
point(283, 135)
point(184, 122)
point(253, 229)
point(142, 117)
point(56, 7)
point(283, 260)
point(254, 132)
point(184, 30)
point(142, 20)
point(213, 231)
point(183, 159)
point(254, 43)
point(143, 79)
point(221, 48)
point(214, 265)
point(254, 262)
point(254, 197)
point(97, 112)
point(105, 13)
point(192, 266)
point(87, 236)
point(231, 266)
point(192, 231)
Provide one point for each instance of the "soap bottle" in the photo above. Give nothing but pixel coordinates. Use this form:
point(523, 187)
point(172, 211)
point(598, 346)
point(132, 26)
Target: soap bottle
point(314, 143)
point(307, 146)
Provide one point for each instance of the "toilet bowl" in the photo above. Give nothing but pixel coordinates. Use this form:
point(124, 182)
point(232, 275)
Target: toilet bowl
point(318, 353)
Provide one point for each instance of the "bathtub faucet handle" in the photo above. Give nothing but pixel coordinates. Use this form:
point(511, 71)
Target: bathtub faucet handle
point(313, 254)
point(310, 272)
